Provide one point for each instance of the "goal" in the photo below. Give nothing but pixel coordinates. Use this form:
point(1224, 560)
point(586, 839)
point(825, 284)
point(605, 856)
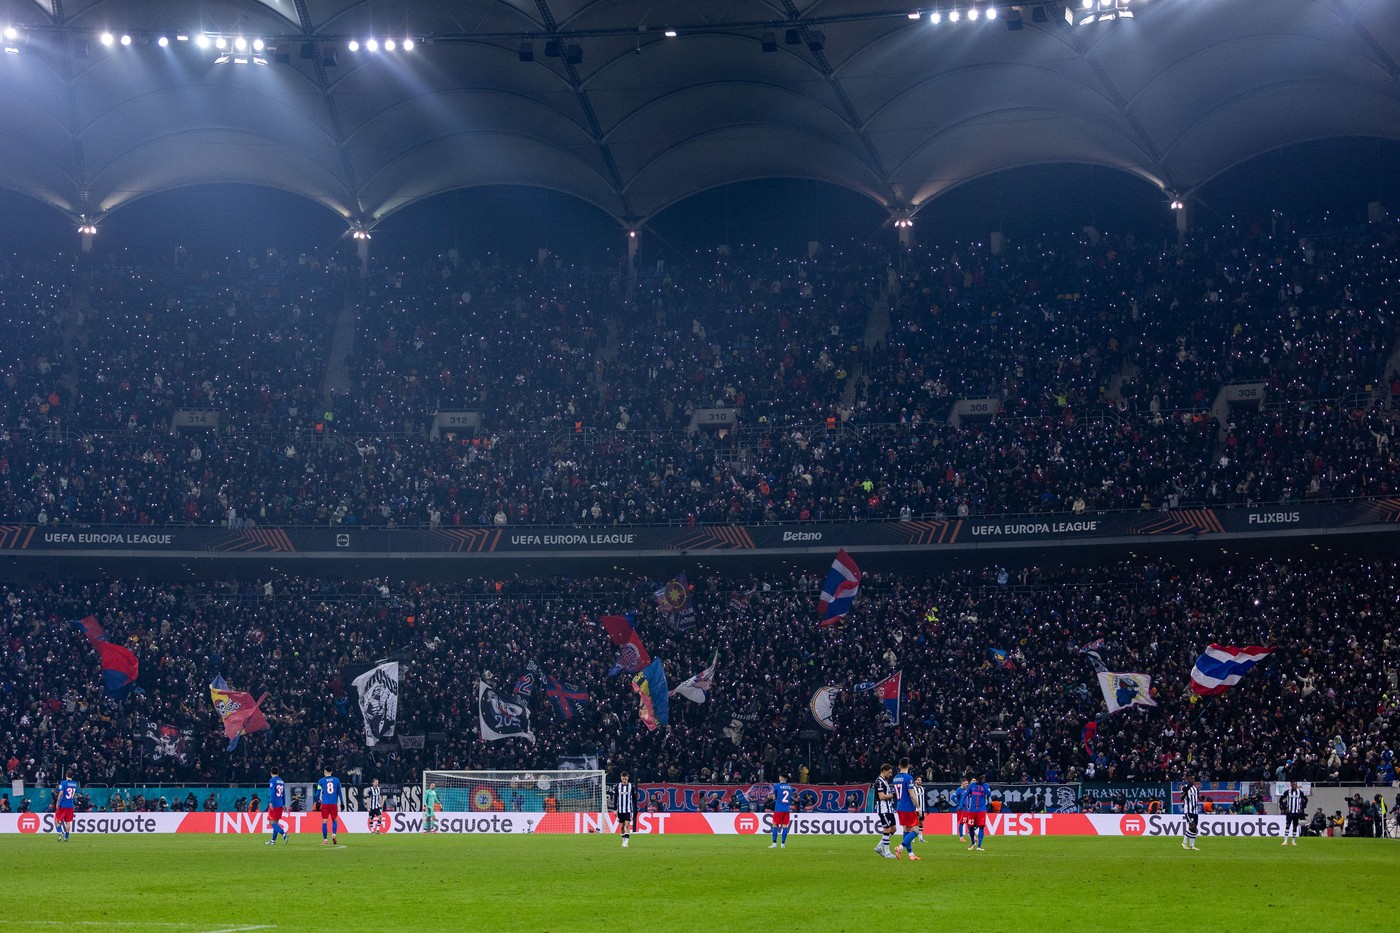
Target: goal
point(519, 791)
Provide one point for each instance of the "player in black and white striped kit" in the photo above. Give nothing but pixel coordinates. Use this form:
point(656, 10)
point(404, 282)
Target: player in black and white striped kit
point(374, 804)
point(625, 805)
point(1293, 805)
point(1191, 809)
point(884, 810)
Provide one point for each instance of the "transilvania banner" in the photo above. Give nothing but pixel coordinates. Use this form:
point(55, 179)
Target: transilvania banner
point(660, 824)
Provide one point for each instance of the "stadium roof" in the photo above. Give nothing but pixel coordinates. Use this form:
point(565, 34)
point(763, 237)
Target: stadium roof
point(613, 110)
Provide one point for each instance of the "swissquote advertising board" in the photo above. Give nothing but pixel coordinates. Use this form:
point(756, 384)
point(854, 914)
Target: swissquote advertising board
point(717, 824)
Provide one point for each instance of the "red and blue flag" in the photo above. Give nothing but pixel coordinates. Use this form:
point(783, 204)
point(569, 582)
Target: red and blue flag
point(889, 691)
point(1222, 666)
point(623, 632)
point(839, 591)
point(567, 700)
point(119, 666)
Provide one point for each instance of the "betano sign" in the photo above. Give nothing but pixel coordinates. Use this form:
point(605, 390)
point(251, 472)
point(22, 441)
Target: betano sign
point(660, 824)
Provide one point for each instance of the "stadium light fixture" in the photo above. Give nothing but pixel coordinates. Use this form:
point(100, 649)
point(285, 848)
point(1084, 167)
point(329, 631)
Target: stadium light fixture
point(992, 12)
point(954, 15)
point(202, 41)
point(671, 34)
point(916, 15)
point(973, 14)
point(126, 39)
point(259, 45)
point(220, 43)
point(390, 45)
point(935, 17)
point(353, 45)
point(11, 33)
point(108, 38)
point(163, 42)
point(408, 45)
point(371, 45)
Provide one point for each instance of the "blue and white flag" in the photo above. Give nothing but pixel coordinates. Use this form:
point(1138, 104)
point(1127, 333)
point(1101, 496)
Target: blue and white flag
point(1121, 691)
point(1222, 666)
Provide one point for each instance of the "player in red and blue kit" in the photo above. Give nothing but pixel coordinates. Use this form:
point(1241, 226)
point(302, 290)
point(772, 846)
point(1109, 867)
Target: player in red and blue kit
point(65, 799)
point(276, 800)
point(329, 797)
point(906, 809)
point(975, 800)
point(958, 807)
point(782, 810)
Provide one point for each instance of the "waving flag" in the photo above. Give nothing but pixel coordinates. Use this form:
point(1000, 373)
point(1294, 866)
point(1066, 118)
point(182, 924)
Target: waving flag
point(378, 690)
point(623, 633)
point(1221, 667)
point(1121, 691)
point(650, 687)
point(673, 600)
point(500, 718)
point(1002, 659)
point(839, 591)
point(697, 689)
point(524, 686)
point(566, 699)
point(119, 666)
point(889, 691)
point(238, 710)
point(823, 706)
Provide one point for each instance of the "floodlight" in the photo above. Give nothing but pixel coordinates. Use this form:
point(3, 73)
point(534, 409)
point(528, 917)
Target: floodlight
point(353, 45)
point(259, 45)
point(935, 17)
point(162, 42)
point(973, 13)
point(390, 45)
point(372, 45)
point(408, 45)
point(107, 38)
point(991, 12)
point(220, 43)
point(202, 41)
point(670, 34)
point(241, 44)
point(126, 39)
point(11, 33)
point(954, 16)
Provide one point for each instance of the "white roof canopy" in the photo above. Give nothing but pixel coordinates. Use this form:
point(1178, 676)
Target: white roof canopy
point(899, 109)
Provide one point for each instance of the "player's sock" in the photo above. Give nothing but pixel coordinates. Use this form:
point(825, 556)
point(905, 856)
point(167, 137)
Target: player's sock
point(909, 841)
point(775, 833)
point(981, 834)
point(785, 829)
point(884, 840)
point(324, 831)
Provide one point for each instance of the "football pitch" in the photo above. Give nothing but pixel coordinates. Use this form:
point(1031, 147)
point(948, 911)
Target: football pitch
point(232, 883)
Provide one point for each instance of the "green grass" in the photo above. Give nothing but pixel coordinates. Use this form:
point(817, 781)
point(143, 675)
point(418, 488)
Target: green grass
point(680, 884)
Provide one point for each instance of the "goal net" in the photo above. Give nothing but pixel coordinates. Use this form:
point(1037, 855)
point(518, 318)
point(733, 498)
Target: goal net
point(520, 792)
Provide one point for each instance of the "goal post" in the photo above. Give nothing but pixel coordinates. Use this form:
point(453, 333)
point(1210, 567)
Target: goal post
point(519, 791)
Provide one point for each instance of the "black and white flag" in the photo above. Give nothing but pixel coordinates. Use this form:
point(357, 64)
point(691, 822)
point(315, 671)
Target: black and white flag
point(501, 718)
point(378, 689)
point(168, 742)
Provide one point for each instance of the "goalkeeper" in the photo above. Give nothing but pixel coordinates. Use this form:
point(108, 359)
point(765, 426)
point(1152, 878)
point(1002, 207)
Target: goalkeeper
point(430, 809)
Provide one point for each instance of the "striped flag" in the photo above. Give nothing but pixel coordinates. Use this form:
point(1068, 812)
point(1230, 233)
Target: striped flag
point(1222, 666)
point(839, 591)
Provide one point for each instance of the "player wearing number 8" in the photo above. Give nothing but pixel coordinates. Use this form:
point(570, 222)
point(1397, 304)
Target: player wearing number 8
point(329, 797)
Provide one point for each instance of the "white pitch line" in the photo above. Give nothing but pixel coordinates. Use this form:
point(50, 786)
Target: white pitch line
point(264, 926)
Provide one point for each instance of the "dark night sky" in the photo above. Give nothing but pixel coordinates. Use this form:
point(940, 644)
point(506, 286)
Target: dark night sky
point(1337, 176)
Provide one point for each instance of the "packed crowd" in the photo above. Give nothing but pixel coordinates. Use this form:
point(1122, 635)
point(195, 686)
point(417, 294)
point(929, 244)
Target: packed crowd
point(1105, 356)
point(1322, 708)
